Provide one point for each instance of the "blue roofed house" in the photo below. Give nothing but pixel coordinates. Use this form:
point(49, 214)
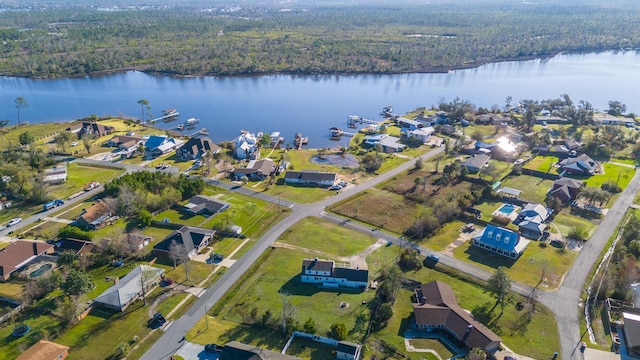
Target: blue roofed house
point(531, 220)
point(158, 145)
point(501, 241)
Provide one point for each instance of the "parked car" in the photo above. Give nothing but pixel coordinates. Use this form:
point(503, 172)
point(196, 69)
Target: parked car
point(343, 183)
point(431, 260)
point(336, 187)
point(213, 348)
point(507, 357)
point(156, 321)
point(15, 221)
point(216, 258)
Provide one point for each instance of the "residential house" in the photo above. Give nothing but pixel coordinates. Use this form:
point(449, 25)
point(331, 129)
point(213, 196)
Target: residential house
point(310, 177)
point(560, 151)
point(326, 274)
point(579, 165)
point(138, 241)
point(127, 144)
point(193, 238)
point(448, 129)
point(436, 308)
point(492, 119)
point(348, 351)
point(606, 119)
point(76, 246)
point(200, 204)
point(475, 163)
point(255, 170)
point(95, 216)
point(132, 286)
point(572, 144)
point(550, 119)
point(17, 255)
point(234, 350)
point(45, 350)
point(158, 145)
point(196, 147)
point(55, 175)
point(91, 129)
point(566, 189)
point(531, 220)
point(500, 241)
point(504, 149)
point(246, 145)
point(407, 124)
point(424, 134)
point(389, 143)
point(631, 330)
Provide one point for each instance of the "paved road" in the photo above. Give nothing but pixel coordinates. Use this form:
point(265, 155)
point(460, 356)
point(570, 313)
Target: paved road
point(169, 342)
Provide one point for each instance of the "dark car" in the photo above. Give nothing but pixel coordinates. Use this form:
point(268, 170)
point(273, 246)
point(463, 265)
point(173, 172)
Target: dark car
point(156, 321)
point(509, 358)
point(213, 348)
point(216, 258)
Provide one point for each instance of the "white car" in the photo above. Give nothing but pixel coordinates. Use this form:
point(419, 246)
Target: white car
point(14, 221)
point(75, 143)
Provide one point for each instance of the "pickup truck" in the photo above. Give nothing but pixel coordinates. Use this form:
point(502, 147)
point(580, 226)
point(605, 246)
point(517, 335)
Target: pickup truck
point(52, 204)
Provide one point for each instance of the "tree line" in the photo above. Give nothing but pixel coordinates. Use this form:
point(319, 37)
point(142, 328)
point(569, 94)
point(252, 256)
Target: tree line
point(325, 39)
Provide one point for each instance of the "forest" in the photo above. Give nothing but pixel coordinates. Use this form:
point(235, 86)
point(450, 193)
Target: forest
point(251, 38)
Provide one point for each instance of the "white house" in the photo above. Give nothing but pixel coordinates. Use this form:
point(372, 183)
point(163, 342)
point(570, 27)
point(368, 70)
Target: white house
point(246, 145)
point(310, 177)
point(129, 288)
point(422, 133)
point(326, 274)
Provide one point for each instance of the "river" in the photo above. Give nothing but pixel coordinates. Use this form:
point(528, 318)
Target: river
point(312, 104)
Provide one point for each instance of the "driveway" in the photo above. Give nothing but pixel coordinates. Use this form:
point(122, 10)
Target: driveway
point(191, 351)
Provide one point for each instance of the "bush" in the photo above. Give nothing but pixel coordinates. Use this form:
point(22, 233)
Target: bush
point(500, 220)
point(74, 232)
point(579, 233)
point(611, 187)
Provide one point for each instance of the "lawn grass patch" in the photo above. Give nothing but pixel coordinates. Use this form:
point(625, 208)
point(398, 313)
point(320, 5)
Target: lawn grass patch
point(341, 242)
point(294, 192)
point(11, 289)
point(41, 325)
point(309, 349)
point(79, 175)
point(44, 230)
point(620, 175)
point(528, 268)
point(566, 222)
point(533, 188)
point(220, 331)
point(177, 215)
point(170, 303)
point(444, 236)
point(432, 344)
point(226, 245)
point(543, 164)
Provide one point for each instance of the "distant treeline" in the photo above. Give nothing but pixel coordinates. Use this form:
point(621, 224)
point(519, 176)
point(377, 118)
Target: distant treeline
point(324, 39)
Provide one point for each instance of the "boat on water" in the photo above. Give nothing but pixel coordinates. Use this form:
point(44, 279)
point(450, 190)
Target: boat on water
point(204, 131)
point(192, 121)
point(169, 111)
point(180, 127)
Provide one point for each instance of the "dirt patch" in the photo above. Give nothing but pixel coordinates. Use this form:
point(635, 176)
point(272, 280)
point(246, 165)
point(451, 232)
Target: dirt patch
point(346, 161)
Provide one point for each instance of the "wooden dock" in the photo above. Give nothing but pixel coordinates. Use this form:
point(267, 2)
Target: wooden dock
point(337, 133)
point(164, 117)
point(353, 120)
point(299, 141)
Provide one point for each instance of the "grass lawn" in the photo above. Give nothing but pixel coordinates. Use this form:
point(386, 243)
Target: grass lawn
point(487, 207)
point(342, 242)
point(444, 236)
point(528, 268)
point(298, 193)
point(220, 331)
point(309, 349)
point(542, 164)
point(176, 215)
point(41, 325)
point(11, 289)
point(565, 222)
point(170, 303)
point(624, 161)
point(433, 344)
point(79, 175)
point(380, 208)
point(533, 188)
point(44, 230)
point(18, 209)
point(226, 246)
point(11, 134)
point(621, 175)
point(72, 213)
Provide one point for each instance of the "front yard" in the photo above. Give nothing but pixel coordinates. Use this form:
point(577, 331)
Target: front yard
point(533, 188)
point(543, 164)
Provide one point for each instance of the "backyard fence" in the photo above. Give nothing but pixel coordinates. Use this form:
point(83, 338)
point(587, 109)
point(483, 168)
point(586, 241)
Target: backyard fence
point(13, 311)
point(540, 174)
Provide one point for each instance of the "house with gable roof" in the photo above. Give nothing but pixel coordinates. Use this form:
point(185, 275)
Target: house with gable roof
point(158, 145)
point(196, 147)
point(579, 165)
point(199, 204)
point(45, 350)
point(129, 288)
point(531, 220)
point(327, 274)
point(246, 145)
point(475, 163)
point(310, 177)
point(436, 308)
point(17, 255)
point(500, 241)
point(255, 170)
point(193, 238)
point(566, 189)
point(95, 216)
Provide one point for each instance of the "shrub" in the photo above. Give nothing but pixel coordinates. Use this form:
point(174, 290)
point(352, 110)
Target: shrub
point(579, 233)
point(611, 187)
point(74, 232)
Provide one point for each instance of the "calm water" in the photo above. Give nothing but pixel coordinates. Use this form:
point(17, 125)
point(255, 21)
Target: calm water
point(312, 104)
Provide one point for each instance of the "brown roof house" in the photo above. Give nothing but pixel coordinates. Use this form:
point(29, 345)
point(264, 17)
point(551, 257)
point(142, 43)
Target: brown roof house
point(91, 128)
point(255, 170)
point(234, 350)
point(199, 204)
point(193, 238)
point(19, 254)
point(76, 246)
point(45, 350)
point(95, 216)
point(438, 309)
point(566, 189)
point(196, 147)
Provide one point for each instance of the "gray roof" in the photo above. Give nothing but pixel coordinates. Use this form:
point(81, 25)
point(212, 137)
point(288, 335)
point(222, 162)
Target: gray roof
point(319, 265)
point(201, 202)
point(477, 161)
point(128, 288)
point(234, 350)
point(309, 175)
point(190, 236)
point(348, 347)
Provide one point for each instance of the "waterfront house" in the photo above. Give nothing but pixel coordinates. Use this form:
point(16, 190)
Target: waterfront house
point(158, 145)
point(566, 189)
point(407, 124)
point(424, 134)
point(310, 177)
point(500, 241)
point(387, 142)
point(130, 288)
point(95, 216)
point(196, 147)
point(200, 204)
point(91, 129)
point(17, 255)
point(246, 145)
point(475, 163)
point(325, 273)
point(193, 238)
point(437, 309)
point(255, 170)
point(125, 142)
point(579, 165)
point(531, 220)
point(45, 350)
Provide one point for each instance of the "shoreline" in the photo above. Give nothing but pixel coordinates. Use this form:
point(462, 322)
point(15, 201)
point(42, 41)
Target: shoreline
point(428, 70)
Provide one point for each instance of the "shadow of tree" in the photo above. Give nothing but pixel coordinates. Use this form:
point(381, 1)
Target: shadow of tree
point(487, 258)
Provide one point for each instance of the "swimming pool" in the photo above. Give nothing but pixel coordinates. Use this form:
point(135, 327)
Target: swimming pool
point(506, 209)
point(41, 270)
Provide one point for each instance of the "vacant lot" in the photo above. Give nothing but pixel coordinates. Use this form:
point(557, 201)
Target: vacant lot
point(543, 164)
point(79, 175)
point(565, 222)
point(444, 236)
point(533, 188)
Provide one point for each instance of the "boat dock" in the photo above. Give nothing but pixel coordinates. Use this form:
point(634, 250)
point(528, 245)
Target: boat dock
point(337, 133)
point(201, 132)
point(299, 141)
point(353, 120)
point(169, 117)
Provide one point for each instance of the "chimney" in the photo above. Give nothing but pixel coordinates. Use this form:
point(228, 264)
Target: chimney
point(466, 333)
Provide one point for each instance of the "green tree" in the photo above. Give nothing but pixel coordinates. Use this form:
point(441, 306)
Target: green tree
point(63, 139)
point(339, 331)
point(74, 233)
point(384, 313)
point(309, 326)
point(77, 283)
point(371, 162)
point(20, 103)
point(145, 218)
point(499, 284)
point(122, 349)
point(144, 105)
point(4, 123)
point(86, 142)
point(26, 138)
point(264, 141)
point(616, 108)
